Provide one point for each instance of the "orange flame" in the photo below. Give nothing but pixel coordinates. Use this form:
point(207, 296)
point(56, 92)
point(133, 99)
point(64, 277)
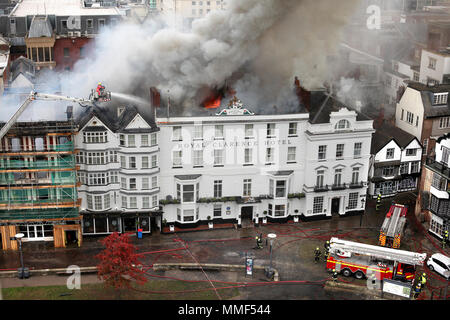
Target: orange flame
point(214, 103)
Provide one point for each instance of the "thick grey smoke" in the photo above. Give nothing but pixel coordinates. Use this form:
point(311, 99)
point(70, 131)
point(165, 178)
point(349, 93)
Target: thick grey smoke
point(272, 40)
point(255, 45)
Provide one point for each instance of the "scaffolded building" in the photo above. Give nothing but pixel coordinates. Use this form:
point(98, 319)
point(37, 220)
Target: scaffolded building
point(38, 186)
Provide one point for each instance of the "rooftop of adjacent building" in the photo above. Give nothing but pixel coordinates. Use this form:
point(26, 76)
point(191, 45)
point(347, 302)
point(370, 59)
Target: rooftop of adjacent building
point(59, 8)
point(427, 92)
point(386, 132)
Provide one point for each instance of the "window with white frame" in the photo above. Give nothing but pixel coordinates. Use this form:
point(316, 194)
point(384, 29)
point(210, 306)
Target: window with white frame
point(218, 131)
point(270, 130)
point(248, 152)
point(322, 152)
point(89, 202)
point(176, 158)
point(153, 139)
point(144, 163)
point(218, 157)
point(291, 154)
point(280, 188)
point(416, 76)
point(132, 185)
point(188, 191)
point(217, 210)
point(131, 141)
point(176, 134)
point(337, 177)
point(198, 158)
point(415, 166)
point(247, 188)
point(342, 124)
point(440, 98)
point(424, 146)
point(444, 122)
point(154, 201)
point(411, 152)
point(145, 183)
point(432, 63)
point(409, 117)
point(439, 182)
point(445, 155)
point(154, 182)
point(318, 205)
point(388, 171)
point(357, 149)
point(249, 131)
point(353, 200)
point(122, 140)
point(133, 203)
point(188, 215)
point(106, 202)
point(123, 183)
point(280, 210)
point(320, 178)
point(98, 203)
point(145, 202)
point(198, 132)
point(95, 137)
point(404, 168)
point(144, 140)
point(355, 175)
point(339, 150)
point(292, 129)
point(123, 162)
point(124, 202)
point(270, 155)
point(217, 188)
point(390, 153)
point(154, 161)
point(132, 162)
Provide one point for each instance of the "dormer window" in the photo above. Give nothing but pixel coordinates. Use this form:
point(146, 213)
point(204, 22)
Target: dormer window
point(440, 98)
point(342, 124)
point(120, 110)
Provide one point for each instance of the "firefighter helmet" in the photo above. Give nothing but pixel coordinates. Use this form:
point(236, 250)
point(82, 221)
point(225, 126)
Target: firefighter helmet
point(99, 83)
point(317, 248)
point(424, 274)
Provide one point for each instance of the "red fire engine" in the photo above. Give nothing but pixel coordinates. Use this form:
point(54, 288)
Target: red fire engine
point(364, 260)
point(393, 226)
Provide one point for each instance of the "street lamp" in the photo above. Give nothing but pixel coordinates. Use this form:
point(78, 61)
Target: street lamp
point(19, 237)
point(271, 237)
point(362, 213)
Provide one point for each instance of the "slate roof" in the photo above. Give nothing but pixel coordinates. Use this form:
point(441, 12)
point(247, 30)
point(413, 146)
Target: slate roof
point(426, 92)
point(40, 27)
point(322, 104)
point(25, 66)
point(387, 132)
point(108, 115)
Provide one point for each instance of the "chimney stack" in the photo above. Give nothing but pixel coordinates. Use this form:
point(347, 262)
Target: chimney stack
point(304, 96)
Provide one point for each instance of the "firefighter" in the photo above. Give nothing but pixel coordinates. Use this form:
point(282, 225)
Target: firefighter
point(335, 275)
point(258, 243)
point(417, 289)
point(377, 207)
point(444, 239)
point(100, 89)
point(423, 279)
point(317, 254)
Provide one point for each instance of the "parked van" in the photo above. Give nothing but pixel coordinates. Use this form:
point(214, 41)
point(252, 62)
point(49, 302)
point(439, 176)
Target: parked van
point(440, 264)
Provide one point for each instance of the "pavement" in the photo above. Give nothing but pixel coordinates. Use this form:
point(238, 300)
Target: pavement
point(292, 256)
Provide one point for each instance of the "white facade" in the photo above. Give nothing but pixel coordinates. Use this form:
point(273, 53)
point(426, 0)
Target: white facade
point(243, 168)
point(118, 175)
point(440, 187)
point(409, 113)
point(433, 66)
point(395, 169)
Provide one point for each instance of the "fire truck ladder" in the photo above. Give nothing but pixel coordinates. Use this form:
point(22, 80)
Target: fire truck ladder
point(393, 225)
point(340, 247)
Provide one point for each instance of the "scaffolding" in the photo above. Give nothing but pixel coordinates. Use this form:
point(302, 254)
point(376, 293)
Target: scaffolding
point(38, 179)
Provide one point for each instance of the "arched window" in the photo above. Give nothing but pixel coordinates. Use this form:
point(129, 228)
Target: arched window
point(342, 124)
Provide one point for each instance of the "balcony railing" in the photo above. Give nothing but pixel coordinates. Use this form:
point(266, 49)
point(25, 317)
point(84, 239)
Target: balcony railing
point(340, 186)
point(355, 185)
point(321, 188)
point(438, 166)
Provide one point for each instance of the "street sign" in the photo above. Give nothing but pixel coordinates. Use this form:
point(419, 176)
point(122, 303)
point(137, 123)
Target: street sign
point(397, 287)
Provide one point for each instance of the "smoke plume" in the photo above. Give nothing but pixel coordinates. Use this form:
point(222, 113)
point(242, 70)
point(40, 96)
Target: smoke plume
point(254, 45)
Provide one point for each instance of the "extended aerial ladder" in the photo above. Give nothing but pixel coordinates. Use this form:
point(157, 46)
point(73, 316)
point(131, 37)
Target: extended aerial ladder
point(51, 97)
point(393, 226)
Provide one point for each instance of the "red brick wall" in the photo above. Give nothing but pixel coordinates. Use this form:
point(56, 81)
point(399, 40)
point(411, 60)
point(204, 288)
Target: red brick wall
point(74, 46)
